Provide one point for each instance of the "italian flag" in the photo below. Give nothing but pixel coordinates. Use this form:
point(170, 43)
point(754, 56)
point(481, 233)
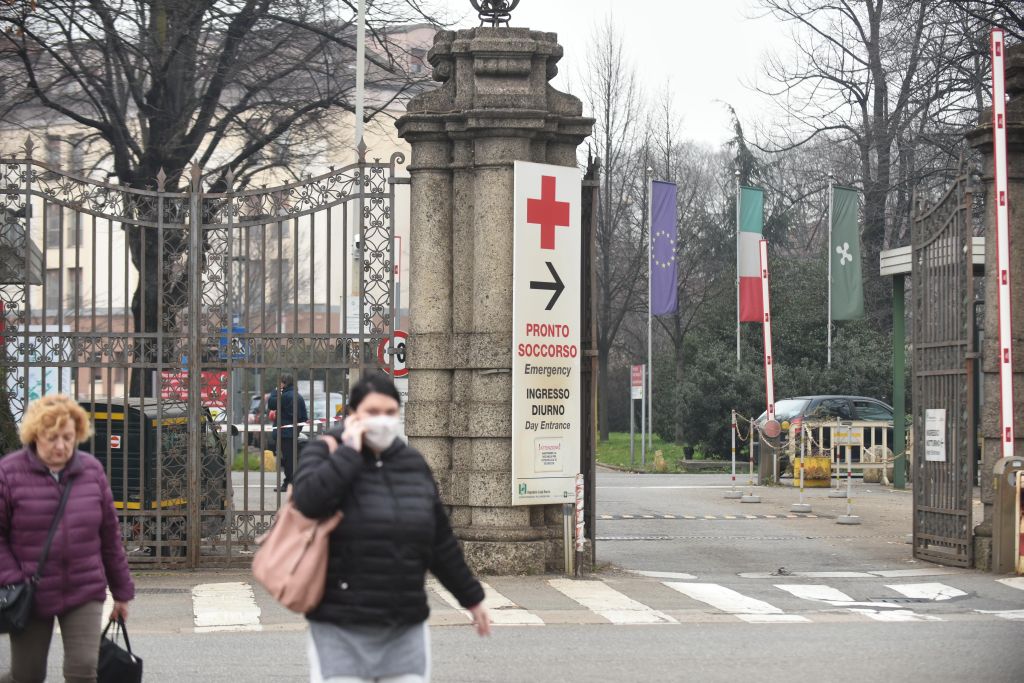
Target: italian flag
point(748, 254)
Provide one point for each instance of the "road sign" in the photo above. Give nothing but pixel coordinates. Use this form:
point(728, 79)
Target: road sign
point(935, 434)
point(115, 442)
point(636, 382)
point(213, 387)
point(546, 300)
point(384, 350)
point(847, 436)
point(233, 345)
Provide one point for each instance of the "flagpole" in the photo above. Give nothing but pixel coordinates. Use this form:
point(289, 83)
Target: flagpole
point(831, 179)
point(737, 268)
point(360, 71)
point(650, 254)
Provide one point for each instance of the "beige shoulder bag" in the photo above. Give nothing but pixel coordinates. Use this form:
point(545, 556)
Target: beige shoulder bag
point(292, 560)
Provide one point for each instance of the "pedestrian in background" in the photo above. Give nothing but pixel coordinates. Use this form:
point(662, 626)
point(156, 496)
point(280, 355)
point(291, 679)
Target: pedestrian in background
point(290, 413)
point(371, 625)
point(86, 556)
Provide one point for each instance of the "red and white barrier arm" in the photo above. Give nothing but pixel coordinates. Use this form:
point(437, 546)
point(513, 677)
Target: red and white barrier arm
point(769, 371)
point(1002, 241)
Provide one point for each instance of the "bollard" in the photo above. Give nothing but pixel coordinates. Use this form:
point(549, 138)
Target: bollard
point(749, 497)
point(568, 526)
point(579, 525)
point(849, 517)
point(733, 493)
point(801, 506)
point(835, 492)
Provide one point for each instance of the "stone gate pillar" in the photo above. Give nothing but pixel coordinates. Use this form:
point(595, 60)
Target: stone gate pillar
point(981, 139)
point(494, 107)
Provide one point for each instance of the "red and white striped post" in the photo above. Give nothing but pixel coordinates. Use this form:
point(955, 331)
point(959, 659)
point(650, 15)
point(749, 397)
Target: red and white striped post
point(769, 370)
point(1002, 202)
point(801, 506)
point(733, 493)
point(579, 514)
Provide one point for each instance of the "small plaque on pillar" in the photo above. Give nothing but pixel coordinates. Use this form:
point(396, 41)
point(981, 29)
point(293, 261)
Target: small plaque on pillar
point(546, 300)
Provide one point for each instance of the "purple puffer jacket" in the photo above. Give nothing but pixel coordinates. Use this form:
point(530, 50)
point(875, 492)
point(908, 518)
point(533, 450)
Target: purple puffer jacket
point(86, 554)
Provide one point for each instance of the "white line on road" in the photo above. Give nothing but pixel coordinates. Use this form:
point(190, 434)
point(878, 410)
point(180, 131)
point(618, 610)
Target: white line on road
point(906, 573)
point(773, 618)
point(895, 615)
point(1008, 614)
point(815, 592)
point(837, 598)
point(225, 607)
point(809, 575)
point(1015, 582)
point(729, 601)
point(503, 611)
point(664, 575)
point(927, 591)
point(604, 600)
point(667, 488)
point(869, 574)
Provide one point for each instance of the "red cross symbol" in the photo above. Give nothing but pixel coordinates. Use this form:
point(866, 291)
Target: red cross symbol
point(547, 212)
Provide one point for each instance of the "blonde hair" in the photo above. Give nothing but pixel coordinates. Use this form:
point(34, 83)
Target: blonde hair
point(46, 415)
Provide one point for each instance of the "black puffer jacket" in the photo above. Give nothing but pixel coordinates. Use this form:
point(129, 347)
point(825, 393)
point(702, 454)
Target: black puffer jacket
point(394, 529)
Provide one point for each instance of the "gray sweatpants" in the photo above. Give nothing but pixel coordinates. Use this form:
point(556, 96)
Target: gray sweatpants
point(80, 632)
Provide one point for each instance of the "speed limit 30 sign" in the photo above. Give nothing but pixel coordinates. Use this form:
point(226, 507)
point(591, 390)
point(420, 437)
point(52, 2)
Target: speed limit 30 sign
point(384, 351)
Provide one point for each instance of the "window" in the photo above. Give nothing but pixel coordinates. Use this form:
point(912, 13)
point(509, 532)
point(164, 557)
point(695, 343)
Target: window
point(280, 282)
point(870, 410)
point(74, 231)
point(74, 292)
point(831, 408)
point(417, 60)
point(53, 151)
point(789, 408)
point(52, 286)
point(78, 156)
point(54, 213)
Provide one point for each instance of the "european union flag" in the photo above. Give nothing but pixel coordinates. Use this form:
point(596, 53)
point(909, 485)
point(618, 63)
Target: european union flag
point(663, 266)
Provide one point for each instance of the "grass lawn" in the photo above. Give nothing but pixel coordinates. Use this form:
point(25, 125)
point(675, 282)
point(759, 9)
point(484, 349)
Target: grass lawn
point(247, 458)
point(615, 452)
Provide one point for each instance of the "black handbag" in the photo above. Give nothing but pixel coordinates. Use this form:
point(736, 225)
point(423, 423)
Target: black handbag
point(17, 599)
point(118, 664)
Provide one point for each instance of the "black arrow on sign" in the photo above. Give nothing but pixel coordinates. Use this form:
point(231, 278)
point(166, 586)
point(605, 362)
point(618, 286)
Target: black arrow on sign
point(557, 286)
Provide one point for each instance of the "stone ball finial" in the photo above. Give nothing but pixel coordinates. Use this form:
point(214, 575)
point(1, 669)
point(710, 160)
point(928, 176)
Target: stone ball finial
point(494, 12)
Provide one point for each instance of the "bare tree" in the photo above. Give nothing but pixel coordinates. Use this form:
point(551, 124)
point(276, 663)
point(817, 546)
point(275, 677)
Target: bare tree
point(872, 76)
point(612, 93)
point(235, 86)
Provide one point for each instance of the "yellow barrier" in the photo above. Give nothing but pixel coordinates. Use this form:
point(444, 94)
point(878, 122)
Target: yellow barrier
point(817, 472)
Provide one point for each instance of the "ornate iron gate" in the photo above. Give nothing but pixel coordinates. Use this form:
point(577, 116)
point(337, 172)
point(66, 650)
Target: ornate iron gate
point(171, 314)
point(943, 289)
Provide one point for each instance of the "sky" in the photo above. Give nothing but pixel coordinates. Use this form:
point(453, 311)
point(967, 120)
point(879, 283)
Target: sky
point(704, 52)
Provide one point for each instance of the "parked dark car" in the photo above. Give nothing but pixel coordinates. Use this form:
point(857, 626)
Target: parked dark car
point(793, 412)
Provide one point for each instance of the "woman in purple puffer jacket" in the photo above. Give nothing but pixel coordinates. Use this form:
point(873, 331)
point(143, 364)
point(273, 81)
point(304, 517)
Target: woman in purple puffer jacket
point(86, 555)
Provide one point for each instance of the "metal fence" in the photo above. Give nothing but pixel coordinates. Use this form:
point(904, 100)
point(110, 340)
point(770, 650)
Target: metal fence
point(170, 313)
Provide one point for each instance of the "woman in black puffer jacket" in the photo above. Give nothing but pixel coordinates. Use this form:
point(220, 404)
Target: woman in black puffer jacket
point(372, 622)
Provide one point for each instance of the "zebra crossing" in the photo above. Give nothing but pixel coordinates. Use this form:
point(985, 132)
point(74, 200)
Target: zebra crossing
point(642, 598)
point(661, 515)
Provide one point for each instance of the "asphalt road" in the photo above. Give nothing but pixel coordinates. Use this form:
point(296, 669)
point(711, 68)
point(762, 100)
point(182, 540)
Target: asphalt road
point(722, 546)
point(929, 653)
point(691, 587)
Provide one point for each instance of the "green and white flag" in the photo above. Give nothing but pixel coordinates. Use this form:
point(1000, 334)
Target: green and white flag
point(847, 287)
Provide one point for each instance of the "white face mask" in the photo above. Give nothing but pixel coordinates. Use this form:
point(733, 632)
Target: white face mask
point(381, 431)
